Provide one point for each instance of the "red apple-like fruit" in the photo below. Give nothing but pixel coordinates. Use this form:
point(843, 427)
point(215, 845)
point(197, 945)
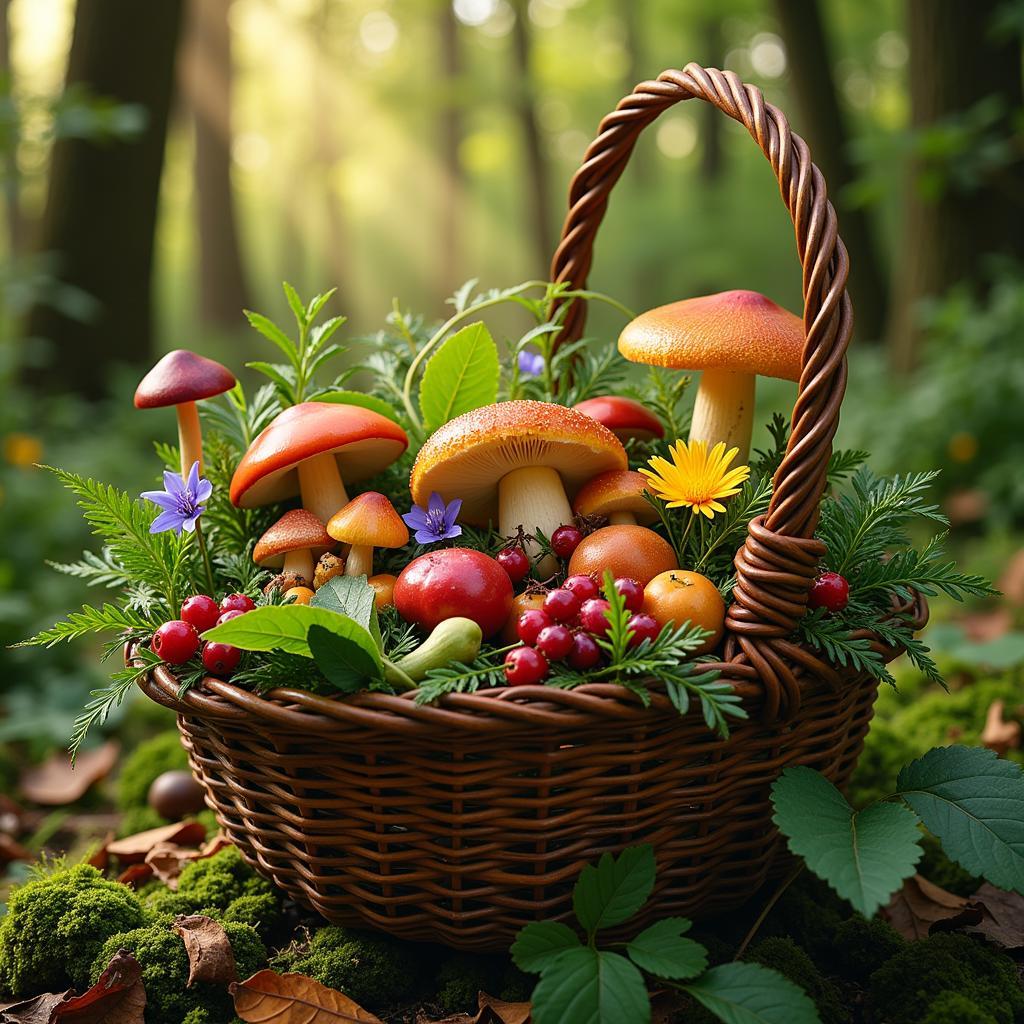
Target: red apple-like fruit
point(450, 582)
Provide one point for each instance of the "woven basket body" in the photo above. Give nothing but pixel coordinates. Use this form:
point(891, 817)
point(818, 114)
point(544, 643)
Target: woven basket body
point(461, 822)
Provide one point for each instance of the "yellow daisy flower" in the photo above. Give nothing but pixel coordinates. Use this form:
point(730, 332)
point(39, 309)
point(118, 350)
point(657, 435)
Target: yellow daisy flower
point(694, 479)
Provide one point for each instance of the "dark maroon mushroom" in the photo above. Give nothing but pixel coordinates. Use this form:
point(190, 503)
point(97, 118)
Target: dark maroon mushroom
point(181, 379)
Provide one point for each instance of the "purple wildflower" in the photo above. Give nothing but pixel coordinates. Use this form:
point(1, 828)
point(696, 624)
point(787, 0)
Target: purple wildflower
point(182, 502)
point(436, 522)
point(531, 364)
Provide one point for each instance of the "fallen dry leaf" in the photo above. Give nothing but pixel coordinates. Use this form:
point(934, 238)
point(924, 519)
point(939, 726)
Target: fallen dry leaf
point(921, 906)
point(133, 849)
point(999, 734)
point(1003, 922)
point(491, 1011)
point(118, 997)
point(168, 860)
point(100, 858)
point(135, 874)
point(55, 782)
point(294, 999)
point(209, 952)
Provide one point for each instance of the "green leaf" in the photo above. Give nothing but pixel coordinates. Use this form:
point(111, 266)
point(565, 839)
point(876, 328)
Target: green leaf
point(974, 802)
point(587, 986)
point(739, 993)
point(277, 373)
point(662, 951)
point(285, 628)
point(365, 401)
point(540, 943)
point(294, 303)
point(347, 595)
point(462, 375)
point(274, 334)
point(342, 659)
point(614, 889)
point(863, 855)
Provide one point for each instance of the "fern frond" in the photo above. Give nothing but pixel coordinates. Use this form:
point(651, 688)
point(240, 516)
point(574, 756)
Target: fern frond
point(108, 618)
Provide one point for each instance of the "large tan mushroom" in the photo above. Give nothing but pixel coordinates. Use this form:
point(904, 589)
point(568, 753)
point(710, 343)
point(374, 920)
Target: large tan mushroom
point(311, 449)
point(293, 544)
point(368, 521)
point(732, 337)
point(514, 463)
point(619, 495)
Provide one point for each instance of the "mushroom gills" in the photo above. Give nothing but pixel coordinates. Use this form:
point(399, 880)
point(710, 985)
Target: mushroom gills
point(321, 486)
point(724, 411)
point(625, 518)
point(534, 498)
point(190, 437)
point(360, 561)
point(299, 562)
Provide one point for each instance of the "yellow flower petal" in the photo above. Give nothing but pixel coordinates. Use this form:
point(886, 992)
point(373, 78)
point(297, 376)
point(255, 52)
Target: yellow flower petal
point(694, 477)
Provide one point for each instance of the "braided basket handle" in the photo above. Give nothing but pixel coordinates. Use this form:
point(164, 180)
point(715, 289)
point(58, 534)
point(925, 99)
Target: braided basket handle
point(780, 556)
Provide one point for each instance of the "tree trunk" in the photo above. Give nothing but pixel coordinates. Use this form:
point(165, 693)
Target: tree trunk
point(11, 176)
point(536, 161)
point(452, 184)
point(824, 127)
point(712, 161)
point(954, 63)
point(206, 75)
point(101, 204)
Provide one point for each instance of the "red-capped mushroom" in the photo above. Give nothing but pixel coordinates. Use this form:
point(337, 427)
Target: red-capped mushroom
point(293, 544)
point(311, 449)
point(368, 521)
point(182, 378)
point(619, 495)
point(625, 418)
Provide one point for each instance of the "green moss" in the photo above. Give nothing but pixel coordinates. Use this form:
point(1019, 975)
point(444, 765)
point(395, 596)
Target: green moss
point(258, 910)
point(219, 880)
point(953, 1008)
point(461, 977)
point(162, 753)
point(904, 990)
point(139, 819)
point(862, 946)
point(945, 873)
point(516, 985)
point(808, 912)
point(55, 925)
point(163, 905)
point(373, 970)
point(786, 957)
point(885, 752)
point(164, 962)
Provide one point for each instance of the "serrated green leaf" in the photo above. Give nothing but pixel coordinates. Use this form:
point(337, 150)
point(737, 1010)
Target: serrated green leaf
point(740, 993)
point(538, 944)
point(462, 375)
point(342, 659)
point(294, 302)
point(973, 801)
point(276, 372)
point(662, 950)
point(864, 855)
point(365, 401)
point(274, 334)
point(613, 890)
point(347, 595)
point(587, 986)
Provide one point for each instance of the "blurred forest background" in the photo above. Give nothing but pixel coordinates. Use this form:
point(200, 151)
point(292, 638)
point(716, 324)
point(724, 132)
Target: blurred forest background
point(165, 164)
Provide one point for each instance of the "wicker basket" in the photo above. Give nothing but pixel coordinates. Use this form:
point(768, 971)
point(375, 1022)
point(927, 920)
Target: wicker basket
point(459, 823)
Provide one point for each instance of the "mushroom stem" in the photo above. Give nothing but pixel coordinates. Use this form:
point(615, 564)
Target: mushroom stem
point(533, 498)
point(360, 561)
point(299, 562)
point(622, 519)
point(320, 484)
point(724, 411)
point(190, 437)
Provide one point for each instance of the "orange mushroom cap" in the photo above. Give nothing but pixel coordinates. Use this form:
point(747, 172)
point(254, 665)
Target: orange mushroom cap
point(294, 531)
point(363, 442)
point(623, 417)
point(739, 331)
point(369, 519)
point(620, 490)
point(469, 455)
point(182, 376)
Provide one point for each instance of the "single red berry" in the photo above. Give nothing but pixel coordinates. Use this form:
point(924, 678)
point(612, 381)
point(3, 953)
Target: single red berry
point(644, 627)
point(175, 642)
point(831, 591)
point(201, 611)
point(514, 562)
point(564, 541)
point(585, 653)
point(221, 659)
point(237, 603)
point(554, 642)
point(530, 623)
point(632, 592)
point(584, 587)
point(228, 616)
point(525, 666)
point(593, 616)
point(562, 605)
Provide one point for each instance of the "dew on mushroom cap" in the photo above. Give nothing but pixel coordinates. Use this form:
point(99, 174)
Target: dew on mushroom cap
point(732, 337)
point(513, 463)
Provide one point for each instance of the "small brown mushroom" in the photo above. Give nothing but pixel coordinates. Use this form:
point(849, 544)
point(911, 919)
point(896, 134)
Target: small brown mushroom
point(998, 734)
point(292, 544)
point(619, 495)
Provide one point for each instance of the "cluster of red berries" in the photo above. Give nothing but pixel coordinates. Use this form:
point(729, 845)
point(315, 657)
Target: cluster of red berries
point(177, 641)
point(565, 628)
point(513, 559)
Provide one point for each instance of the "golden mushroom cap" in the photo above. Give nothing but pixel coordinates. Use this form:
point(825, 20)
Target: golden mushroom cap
point(369, 519)
point(620, 490)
